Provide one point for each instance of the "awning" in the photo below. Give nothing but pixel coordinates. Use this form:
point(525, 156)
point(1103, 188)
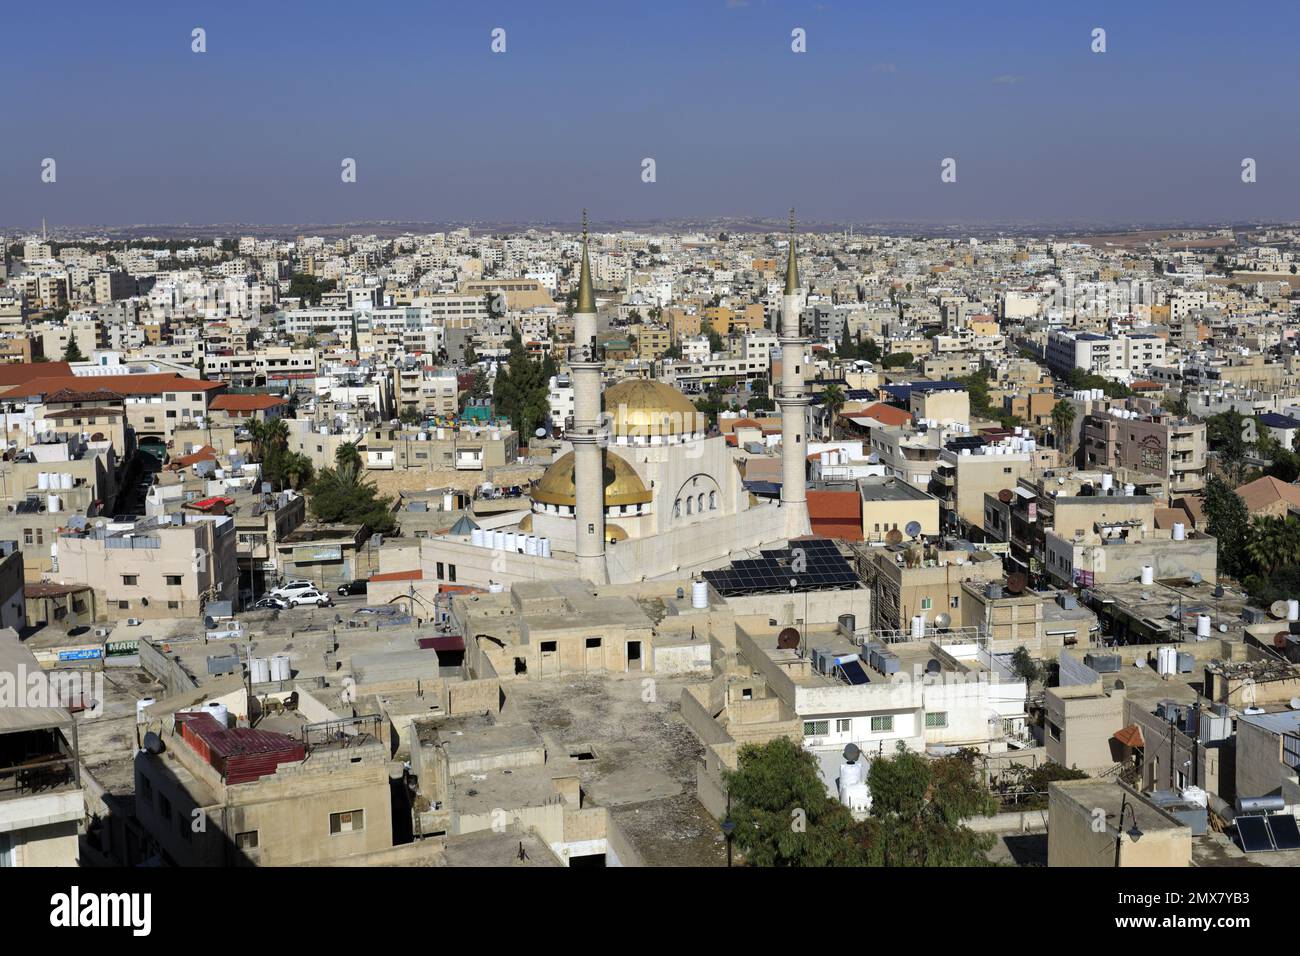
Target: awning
point(1130, 736)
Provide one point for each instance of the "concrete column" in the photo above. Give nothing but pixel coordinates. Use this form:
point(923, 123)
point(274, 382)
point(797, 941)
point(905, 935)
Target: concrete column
point(793, 401)
point(588, 439)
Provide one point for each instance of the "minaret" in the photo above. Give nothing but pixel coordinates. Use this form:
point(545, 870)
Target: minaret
point(588, 434)
point(793, 400)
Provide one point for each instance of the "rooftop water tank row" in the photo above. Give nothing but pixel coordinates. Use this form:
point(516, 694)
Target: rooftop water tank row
point(53, 480)
point(513, 541)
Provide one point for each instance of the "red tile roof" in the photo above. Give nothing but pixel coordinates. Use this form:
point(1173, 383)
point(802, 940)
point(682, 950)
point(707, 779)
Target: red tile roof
point(246, 403)
point(153, 384)
point(885, 414)
point(27, 371)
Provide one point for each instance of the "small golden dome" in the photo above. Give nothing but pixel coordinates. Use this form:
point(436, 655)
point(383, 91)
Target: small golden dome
point(639, 408)
point(614, 533)
point(623, 486)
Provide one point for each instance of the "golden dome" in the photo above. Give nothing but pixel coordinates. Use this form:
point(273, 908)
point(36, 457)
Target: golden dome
point(639, 408)
point(527, 524)
point(614, 533)
point(623, 486)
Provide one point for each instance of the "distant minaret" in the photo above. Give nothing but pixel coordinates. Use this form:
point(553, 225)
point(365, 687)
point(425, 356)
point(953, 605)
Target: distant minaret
point(792, 399)
point(588, 435)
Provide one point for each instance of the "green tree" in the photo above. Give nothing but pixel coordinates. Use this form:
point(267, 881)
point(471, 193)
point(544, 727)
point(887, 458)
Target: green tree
point(1227, 520)
point(782, 812)
point(72, 353)
point(1225, 433)
point(1025, 667)
point(833, 395)
point(348, 454)
point(870, 351)
point(898, 359)
point(918, 807)
point(1063, 413)
point(521, 392)
point(344, 495)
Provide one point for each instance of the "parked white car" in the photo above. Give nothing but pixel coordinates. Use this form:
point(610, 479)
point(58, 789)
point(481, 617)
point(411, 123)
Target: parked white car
point(308, 596)
point(292, 587)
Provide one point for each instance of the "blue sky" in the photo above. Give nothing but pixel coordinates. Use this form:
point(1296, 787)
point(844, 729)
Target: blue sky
point(254, 130)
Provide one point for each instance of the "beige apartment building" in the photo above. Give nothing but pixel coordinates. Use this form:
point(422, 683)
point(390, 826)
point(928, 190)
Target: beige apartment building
point(1172, 448)
point(159, 568)
point(961, 479)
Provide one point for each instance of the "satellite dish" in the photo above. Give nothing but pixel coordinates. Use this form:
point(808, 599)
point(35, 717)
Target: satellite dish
point(153, 743)
point(893, 536)
point(1004, 496)
point(1277, 609)
point(852, 753)
point(209, 622)
point(788, 639)
point(1294, 703)
point(1194, 578)
point(913, 528)
point(942, 620)
point(932, 666)
point(1016, 582)
point(540, 433)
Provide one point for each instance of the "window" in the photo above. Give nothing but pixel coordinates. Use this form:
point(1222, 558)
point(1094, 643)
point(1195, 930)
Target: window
point(173, 605)
point(843, 725)
point(27, 536)
point(816, 728)
point(130, 579)
point(172, 579)
point(451, 573)
point(124, 605)
point(936, 720)
point(593, 642)
point(248, 839)
point(926, 604)
point(1053, 731)
point(882, 725)
point(440, 570)
point(954, 601)
point(350, 822)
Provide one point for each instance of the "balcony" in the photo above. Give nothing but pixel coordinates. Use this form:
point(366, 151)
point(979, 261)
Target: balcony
point(36, 762)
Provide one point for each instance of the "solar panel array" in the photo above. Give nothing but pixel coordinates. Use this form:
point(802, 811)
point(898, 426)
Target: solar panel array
point(813, 564)
point(1260, 833)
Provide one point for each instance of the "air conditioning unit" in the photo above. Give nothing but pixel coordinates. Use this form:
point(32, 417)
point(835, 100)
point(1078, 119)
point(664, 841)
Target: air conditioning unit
point(133, 622)
point(101, 632)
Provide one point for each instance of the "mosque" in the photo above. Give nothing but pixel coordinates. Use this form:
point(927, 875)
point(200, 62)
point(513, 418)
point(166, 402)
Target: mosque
point(643, 492)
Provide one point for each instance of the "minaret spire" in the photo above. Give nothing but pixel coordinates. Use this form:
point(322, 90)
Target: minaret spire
point(586, 294)
point(792, 263)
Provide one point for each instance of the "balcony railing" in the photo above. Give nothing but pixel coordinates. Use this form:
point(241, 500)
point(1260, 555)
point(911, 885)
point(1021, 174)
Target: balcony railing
point(39, 775)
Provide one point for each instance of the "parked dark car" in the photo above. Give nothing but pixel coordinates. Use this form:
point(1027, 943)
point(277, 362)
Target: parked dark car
point(267, 603)
point(354, 587)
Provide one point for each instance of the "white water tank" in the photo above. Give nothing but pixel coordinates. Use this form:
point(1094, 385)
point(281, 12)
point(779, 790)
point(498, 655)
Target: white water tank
point(499, 540)
point(218, 712)
point(65, 480)
point(1203, 626)
point(699, 594)
point(495, 587)
point(1167, 660)
point(1180, 531)
point(918, 627)
point(52, 504)
point(1148, 574)
point(1107, 482)
point(1293, 610)
point(530, 544)
point(280, 669)
point(477, 537)
point(259, 670)
point(544, 547)
point(853, 790)
point(43, 481)
point(1130, 490)
point(141, 706)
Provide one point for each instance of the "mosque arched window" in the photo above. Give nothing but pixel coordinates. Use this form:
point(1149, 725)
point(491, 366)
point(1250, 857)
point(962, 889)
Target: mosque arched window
point(689, 503)
point(713, 501)
point(677, 508)
point(701, 504)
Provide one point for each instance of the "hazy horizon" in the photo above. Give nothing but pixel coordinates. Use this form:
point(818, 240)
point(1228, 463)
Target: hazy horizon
point(254, 130)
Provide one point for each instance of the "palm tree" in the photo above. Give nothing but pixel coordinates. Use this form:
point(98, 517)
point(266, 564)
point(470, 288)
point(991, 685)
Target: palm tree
point(833, 395)
point(347, 453)
point(1274, 541)
point(296, 468)
point(1062, 422)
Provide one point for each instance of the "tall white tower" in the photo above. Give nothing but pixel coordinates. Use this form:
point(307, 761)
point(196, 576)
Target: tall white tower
point(588, 433)
point(793, 400)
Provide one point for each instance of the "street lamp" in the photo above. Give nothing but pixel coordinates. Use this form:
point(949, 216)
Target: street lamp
point(1135, 833)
